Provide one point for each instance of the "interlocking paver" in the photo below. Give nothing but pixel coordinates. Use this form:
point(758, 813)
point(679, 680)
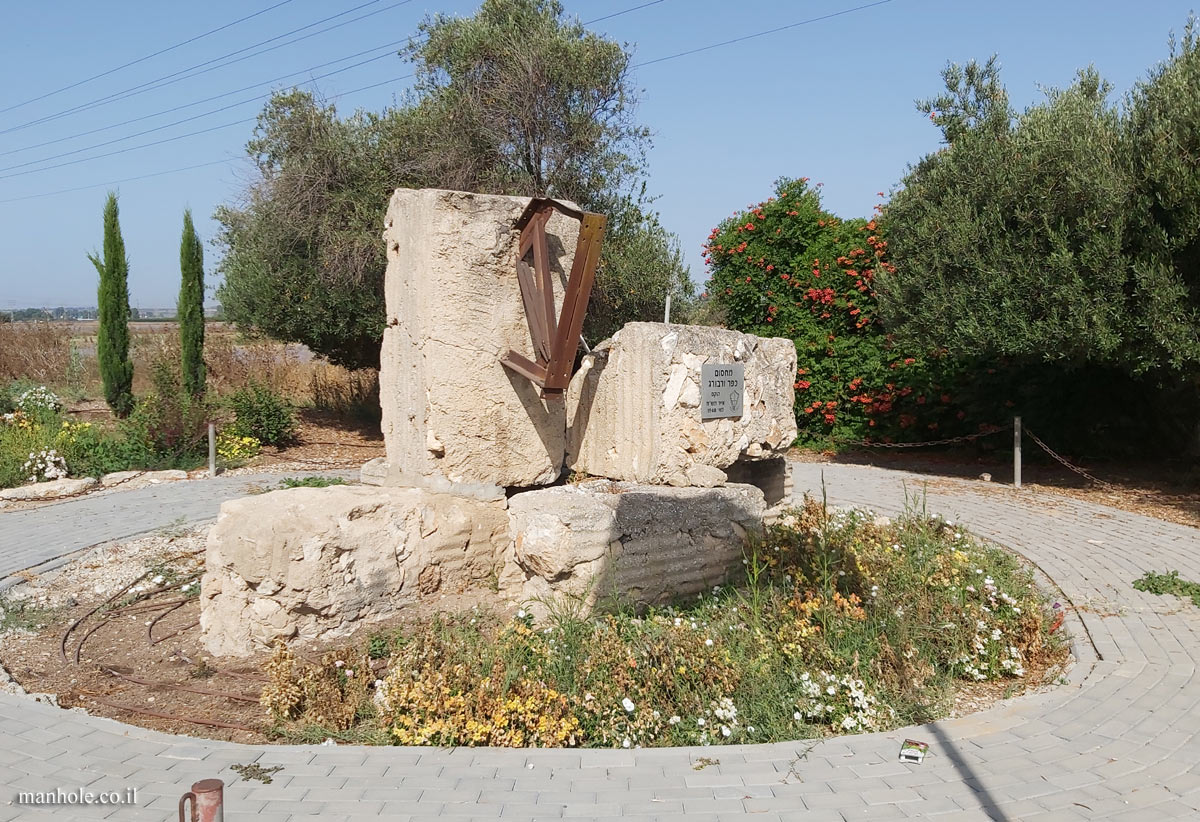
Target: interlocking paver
point(1121, 740)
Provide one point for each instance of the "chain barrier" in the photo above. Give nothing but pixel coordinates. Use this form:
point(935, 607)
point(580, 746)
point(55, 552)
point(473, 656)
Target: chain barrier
point(1065, 464)
point(930, 443)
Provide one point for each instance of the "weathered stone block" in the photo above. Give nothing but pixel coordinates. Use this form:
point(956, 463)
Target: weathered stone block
point(453, 308)
point(640, 543)
point(633, 409)
point(316, 563)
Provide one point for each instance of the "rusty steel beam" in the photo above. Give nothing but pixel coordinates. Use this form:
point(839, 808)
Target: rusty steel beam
point(555, 338)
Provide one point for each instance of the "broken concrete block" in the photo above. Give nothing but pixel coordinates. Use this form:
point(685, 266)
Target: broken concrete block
point(317, 563)
point(633, 409)
point(453, 308)
point(601, 541)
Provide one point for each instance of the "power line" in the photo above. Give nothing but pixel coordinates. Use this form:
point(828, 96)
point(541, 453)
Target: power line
point(761, 33)
point(619, 13)
point(216, 111)
point(44, 143)
point(143, 59)
point(176, 77)
point(228, 125)
point(180, 136)
point(128, 149)
point(175, 171)
point(114, 182)
point(208, 113)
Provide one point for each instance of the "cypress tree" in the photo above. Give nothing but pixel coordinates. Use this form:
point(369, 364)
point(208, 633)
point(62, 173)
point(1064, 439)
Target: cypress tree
point(112, 339)
point(190, 309)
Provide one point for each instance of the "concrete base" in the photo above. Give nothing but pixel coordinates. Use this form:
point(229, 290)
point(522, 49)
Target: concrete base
point(380, 472)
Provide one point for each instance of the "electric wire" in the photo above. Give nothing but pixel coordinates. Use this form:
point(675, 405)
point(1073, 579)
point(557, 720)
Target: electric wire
point(246, 88)
point(208, 113)
point(761, 33)
point(78, 83)
point(199, 68)
point(218, 110)
point(407, 76)
point(222, 95)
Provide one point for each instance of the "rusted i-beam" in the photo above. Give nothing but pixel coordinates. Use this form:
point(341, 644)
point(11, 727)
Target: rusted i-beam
point(555, 338)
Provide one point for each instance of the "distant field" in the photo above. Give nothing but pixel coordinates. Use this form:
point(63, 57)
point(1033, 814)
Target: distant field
point(88, 327)
point(62, 355)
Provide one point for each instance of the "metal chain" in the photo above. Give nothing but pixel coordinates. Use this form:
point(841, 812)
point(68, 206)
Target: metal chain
point(1066, 464)
point(947, 441)
point(91, 489)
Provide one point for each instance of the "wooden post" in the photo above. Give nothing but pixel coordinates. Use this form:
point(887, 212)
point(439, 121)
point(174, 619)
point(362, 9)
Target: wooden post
point(212, 450)
point(1016, 452)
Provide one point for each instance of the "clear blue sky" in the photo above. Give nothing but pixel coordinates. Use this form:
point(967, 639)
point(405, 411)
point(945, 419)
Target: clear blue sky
point(831, 100)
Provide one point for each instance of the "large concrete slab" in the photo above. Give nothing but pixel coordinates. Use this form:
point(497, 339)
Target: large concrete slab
point(603, 542)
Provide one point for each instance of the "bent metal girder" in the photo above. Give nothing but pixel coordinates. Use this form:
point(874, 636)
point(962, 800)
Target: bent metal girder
point(555, 339)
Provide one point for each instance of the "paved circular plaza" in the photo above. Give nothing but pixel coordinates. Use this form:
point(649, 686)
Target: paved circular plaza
point(1118, 740)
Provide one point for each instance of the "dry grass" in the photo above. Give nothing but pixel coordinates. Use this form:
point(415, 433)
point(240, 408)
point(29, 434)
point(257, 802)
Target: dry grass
point(42, 352)
point(37, 351)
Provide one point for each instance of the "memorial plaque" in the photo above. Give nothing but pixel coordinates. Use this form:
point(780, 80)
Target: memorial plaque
point(721, 390)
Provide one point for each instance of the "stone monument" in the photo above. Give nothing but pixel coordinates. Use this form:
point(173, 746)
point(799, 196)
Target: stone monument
point(674, 436)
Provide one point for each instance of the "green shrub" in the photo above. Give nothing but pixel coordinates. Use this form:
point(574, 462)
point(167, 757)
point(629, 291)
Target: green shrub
point(263, 414)
point(11, 392)
point(234, 450)
point(93, 450)
point(168, 427)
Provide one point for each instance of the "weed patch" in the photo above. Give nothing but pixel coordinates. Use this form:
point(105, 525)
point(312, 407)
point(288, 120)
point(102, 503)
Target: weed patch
point(1168, 583)
point(845, 623)
point(310, 482)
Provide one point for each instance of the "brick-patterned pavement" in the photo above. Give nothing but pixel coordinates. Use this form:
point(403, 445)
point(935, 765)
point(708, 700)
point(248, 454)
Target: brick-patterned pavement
point(1119, 741)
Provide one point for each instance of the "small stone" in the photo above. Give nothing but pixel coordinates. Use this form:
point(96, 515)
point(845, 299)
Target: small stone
point(165, 476)
point(117, 478)
point(986, 477)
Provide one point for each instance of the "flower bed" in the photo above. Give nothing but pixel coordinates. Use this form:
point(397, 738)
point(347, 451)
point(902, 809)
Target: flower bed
point(844, 623)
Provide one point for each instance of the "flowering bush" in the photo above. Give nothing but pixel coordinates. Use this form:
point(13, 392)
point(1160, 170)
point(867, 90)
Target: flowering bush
point(39, 402)
point(788, 268)
point(842, 703)
point(45, 465)
point(846, 623)
point(234, 450)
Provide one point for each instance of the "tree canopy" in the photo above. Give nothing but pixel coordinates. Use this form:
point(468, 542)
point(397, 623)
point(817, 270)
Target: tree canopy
point(112, 335)
point(1067, 233)
point(517, 99)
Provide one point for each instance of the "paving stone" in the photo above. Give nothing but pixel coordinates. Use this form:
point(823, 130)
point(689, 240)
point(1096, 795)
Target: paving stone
point(1122, 740)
